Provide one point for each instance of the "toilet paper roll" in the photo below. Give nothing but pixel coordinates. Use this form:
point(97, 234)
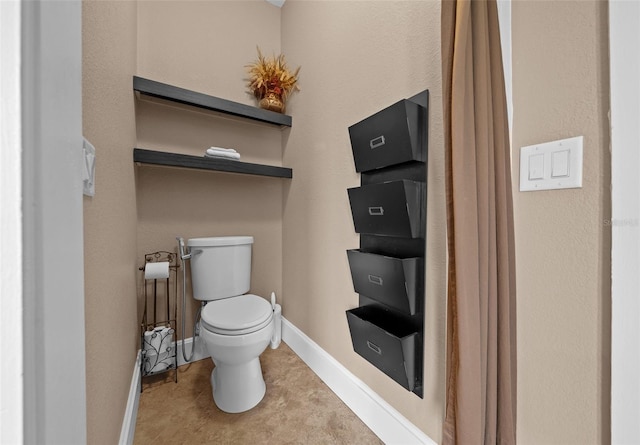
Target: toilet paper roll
point(156, 271)
point(167, 340)
point(153, 340)
point(158, 340)
point(154, 362)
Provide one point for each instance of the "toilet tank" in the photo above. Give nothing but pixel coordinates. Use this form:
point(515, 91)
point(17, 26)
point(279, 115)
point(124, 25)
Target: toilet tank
point(220, 266)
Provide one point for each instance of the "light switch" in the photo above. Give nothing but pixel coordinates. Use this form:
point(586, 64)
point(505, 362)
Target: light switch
point(552, 165)
point(536, 167)
point(560, 164)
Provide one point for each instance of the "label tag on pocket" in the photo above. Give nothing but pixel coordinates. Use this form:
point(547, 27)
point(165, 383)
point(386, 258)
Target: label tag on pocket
point(376, 142)
point(374, 348)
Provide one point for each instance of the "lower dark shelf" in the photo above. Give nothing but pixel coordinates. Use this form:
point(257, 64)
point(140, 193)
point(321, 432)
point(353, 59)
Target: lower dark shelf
point(202, 163)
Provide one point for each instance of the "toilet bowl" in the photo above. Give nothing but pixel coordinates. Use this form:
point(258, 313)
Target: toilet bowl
point(235, 327)
point(235, 332)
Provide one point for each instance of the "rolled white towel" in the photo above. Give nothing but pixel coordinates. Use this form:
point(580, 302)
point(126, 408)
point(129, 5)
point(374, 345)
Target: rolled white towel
point(222, 155)
point(220, 150)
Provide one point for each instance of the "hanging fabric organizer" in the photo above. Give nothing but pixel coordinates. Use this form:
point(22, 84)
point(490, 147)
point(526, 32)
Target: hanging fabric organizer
point(389, 213)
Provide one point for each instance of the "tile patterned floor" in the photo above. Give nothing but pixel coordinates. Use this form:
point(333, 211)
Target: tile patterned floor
point(297, 409)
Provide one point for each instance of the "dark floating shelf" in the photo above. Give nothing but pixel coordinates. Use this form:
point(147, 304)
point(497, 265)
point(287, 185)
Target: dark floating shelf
point(200, 100)
point(200, 162)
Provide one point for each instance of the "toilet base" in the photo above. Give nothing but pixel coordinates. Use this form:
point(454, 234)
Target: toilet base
point(243, 386)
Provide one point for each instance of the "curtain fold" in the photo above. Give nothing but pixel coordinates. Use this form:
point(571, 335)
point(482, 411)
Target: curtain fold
point(481, 329)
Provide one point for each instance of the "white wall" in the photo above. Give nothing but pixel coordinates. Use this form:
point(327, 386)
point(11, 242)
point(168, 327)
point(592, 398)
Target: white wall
point(504, 18)
point(624, 44)
point(54, 350)
point(10, 227)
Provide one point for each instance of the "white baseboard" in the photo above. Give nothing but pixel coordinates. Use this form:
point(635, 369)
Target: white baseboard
point(384, 420)
point(131, 412)
point(199, 354)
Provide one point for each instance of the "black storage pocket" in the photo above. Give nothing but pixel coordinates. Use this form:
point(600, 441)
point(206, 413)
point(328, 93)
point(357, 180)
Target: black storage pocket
point(390, 208)
point(391, 136)
point(387, 342)
point(395, 282)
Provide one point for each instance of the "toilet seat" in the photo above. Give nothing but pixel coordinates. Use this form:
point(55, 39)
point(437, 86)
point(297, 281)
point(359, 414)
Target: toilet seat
point(239, 315)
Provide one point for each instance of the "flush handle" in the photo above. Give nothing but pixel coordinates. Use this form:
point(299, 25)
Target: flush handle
point(376, 211)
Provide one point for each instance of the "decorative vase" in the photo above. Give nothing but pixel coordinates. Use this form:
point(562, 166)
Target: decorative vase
point(272, 101)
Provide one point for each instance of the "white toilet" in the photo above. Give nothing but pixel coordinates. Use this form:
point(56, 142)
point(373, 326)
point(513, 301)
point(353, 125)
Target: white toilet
point(235, 327)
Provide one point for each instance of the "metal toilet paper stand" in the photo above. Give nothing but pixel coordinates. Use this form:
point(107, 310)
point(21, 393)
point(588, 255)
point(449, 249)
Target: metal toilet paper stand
point(158, 326)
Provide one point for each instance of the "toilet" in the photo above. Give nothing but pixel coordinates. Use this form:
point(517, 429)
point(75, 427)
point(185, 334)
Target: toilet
point(235, 327)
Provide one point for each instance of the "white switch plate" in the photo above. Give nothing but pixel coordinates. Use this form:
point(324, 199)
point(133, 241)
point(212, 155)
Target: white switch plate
point(552, 165)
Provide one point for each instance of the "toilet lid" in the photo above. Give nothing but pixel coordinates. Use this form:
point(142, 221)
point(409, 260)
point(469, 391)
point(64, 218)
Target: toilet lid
point(237, 315)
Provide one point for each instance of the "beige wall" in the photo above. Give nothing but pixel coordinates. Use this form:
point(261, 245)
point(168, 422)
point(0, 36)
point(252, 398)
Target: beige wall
point(560, 81)
point(109, 61)
point(197, 45)
point(357, 58)
point(204, 46)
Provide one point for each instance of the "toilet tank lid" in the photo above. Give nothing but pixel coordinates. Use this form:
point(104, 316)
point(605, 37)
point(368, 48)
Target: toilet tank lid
point(219, 241)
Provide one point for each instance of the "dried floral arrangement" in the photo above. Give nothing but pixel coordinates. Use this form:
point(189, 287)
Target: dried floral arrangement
point(271, 76)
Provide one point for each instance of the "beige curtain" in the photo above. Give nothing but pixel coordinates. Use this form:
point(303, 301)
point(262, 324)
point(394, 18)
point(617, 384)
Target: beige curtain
point(481, 337)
